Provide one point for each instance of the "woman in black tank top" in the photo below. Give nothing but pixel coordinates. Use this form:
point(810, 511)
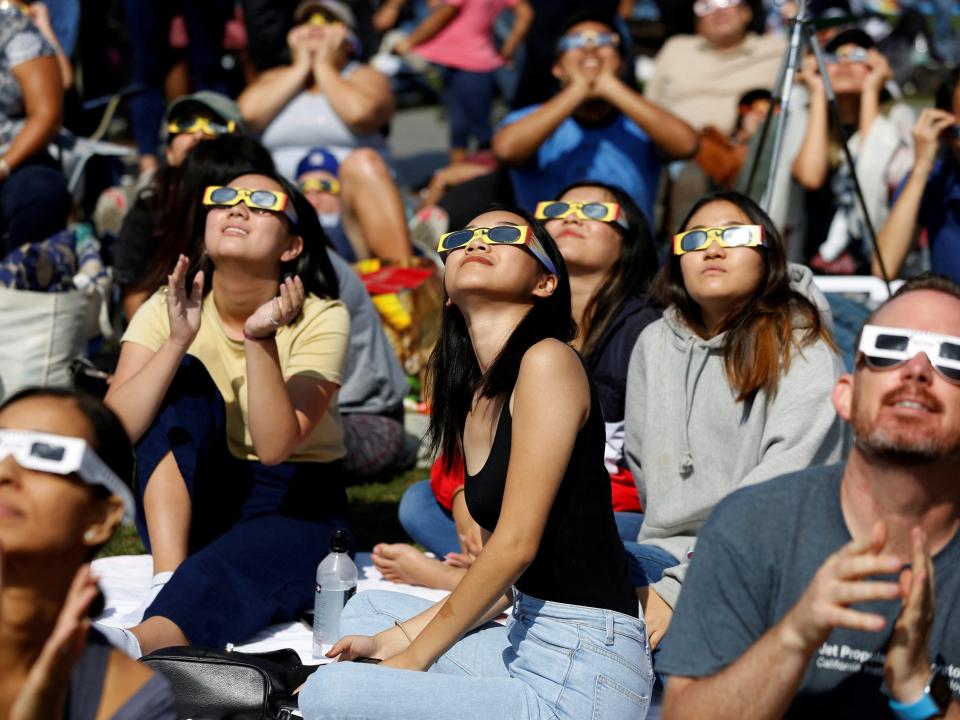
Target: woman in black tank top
point(514, 401)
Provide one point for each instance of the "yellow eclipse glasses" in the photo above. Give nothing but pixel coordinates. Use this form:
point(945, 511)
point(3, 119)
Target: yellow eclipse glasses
point(257, 200)
point(601, 211)
point(317, 185)
point(322, 20)
point(499, 235)
point(730, 236)
point(200, 123)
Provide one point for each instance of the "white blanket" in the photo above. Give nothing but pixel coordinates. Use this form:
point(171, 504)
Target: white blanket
point(125, 581)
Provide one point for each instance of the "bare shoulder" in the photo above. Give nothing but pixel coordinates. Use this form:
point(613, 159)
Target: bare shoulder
point(551, 361)
point(552, 384)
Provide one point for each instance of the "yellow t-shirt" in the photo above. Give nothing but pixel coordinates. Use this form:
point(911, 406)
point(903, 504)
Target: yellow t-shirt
point(314, 345)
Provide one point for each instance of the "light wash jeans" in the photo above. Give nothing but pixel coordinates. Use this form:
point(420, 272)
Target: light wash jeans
point(551, 661)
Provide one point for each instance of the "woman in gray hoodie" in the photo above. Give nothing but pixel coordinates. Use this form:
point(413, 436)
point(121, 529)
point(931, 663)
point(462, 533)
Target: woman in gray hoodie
point(730, 388)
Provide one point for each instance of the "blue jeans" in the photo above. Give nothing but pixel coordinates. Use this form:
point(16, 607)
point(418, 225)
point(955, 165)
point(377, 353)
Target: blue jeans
point(426, 521)
point(551, 661)
point(628, 525)
point(647, 562)
point(469, 100)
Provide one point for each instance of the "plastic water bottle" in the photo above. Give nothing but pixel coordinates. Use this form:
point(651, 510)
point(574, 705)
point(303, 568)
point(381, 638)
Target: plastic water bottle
point(336, 583)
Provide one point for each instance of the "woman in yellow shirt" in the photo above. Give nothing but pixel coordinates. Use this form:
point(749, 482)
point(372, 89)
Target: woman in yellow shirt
point(226, 383)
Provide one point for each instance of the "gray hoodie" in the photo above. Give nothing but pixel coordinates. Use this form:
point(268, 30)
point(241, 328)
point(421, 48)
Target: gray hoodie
point(689, 443)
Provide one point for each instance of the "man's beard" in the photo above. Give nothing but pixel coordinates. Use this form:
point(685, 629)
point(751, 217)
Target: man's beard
point(896, 449)
point(903, 445)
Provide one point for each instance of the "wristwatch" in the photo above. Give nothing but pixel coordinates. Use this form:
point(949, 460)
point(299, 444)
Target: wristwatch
point(936, 697)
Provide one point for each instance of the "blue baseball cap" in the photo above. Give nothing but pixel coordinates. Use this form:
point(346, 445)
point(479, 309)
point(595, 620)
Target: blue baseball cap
point(318, 159)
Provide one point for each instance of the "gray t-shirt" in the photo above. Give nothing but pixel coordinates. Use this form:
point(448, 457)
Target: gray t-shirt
point(755, 557)
point(373, 380)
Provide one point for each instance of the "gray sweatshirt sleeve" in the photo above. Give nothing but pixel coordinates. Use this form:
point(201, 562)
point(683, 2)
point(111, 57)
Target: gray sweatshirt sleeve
point(802, 430)
point(635, 402)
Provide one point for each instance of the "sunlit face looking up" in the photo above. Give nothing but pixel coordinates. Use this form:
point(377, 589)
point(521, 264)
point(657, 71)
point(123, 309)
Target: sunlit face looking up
point(721, 279)
point(909, 410)
point(238, 233)
point(501, 272)
point(589, 61)
point(588, 246)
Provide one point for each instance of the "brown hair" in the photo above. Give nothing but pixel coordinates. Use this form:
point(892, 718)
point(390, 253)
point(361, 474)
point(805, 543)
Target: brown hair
point(760, 340)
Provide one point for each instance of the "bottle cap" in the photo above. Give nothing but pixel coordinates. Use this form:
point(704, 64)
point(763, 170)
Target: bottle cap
point(340, 542)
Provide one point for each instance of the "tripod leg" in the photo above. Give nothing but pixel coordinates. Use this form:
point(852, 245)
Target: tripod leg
point(775, 102)
point(789, 75)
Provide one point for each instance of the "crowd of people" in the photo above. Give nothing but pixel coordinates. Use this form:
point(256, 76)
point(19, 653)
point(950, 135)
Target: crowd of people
point(652, 446)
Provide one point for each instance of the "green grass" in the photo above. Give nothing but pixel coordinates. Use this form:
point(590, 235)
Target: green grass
point(374, 508)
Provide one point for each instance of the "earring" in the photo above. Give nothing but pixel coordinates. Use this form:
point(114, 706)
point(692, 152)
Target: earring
point(90, 535)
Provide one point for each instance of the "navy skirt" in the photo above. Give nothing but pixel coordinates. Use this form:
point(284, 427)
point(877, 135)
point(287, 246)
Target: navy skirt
point(257, 532)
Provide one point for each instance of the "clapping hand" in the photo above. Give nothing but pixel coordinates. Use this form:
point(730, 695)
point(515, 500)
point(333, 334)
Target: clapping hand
point(44, 693)
point(330, 45)
point(301, 48)
point(840, 582)
point(907, 666)
point(278, 311)
point(183, 309)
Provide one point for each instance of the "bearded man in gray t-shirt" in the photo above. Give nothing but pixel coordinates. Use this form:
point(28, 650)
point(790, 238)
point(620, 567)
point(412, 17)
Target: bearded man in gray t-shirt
point(835, 591)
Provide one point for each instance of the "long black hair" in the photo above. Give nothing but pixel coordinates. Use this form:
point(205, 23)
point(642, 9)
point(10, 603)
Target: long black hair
point(175, 191)
point(629, 277)
point(453, 374)
point(759, 339)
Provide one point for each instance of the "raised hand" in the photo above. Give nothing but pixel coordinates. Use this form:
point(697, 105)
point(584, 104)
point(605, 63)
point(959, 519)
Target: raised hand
point(44, 693)
point(301, 50)
point(907, 666)
point(330, 44)
point(183, 308)
point(278, 311)
point(839, 583)
point(926, 134)
point(879, 72)
point(809, 75)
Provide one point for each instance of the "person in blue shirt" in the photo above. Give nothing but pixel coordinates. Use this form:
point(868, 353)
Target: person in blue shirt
point(595, 128)
point(929, 198)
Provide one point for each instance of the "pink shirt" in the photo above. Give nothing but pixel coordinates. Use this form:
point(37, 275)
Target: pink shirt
point(467, 42)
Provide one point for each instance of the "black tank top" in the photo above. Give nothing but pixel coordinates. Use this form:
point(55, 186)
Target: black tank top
point(580, 560)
